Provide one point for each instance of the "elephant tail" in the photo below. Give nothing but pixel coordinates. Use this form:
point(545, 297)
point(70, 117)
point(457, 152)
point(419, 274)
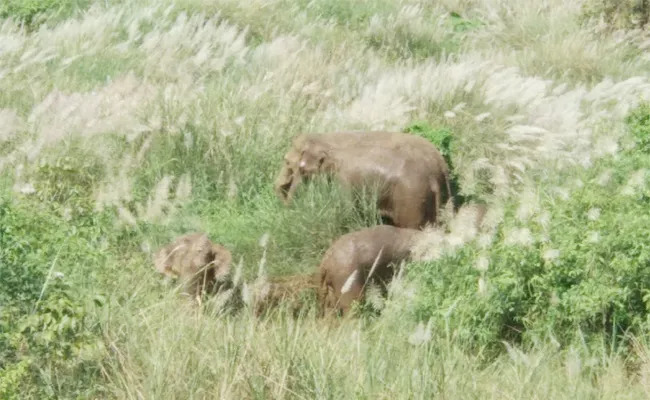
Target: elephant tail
point(450, 195)
point(440, 201)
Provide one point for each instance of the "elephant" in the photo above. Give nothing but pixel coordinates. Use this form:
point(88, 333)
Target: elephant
point(410, 173)
point(200, 264)
point(367, 255)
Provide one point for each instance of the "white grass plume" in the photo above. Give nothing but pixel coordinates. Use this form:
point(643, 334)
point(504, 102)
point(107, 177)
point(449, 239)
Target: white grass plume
point(350, 281)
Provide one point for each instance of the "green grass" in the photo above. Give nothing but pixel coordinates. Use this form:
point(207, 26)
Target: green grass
point(136, 121)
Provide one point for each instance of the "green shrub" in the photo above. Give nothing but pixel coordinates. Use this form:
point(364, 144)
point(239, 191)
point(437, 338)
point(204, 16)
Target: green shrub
point(639, 124)
point(49, 337)
point(59, 334)
point(58, 328)
point(12, 378)
point(443, 139)
point(587, 268)
point(35, 238)
point(22, 268)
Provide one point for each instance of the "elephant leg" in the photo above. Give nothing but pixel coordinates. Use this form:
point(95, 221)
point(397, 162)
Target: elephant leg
point(385, 208)
point(437, 203)
point(386, 214)
point(386, 219)
point(409, 211)
point(346, 299)
point(343, 300)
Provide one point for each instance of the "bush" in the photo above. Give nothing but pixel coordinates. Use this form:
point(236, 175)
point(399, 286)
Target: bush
point(582, 265)
point(33, 237)
point(22, 271)
point(59, 335)
point(639, 124)
point(49, 335)
point(443, 139)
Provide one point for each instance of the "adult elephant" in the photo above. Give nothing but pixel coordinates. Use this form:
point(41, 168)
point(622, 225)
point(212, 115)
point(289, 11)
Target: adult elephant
point(409, 172)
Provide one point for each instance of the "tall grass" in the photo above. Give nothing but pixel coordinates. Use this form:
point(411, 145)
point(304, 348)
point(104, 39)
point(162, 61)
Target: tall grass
point(135, 121)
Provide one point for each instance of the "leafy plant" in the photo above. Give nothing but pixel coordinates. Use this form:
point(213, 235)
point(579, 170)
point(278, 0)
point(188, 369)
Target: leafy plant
point(58, 329)
point(12, 378)
point(58, 333)
point(584, 267)
point(443, 139)
point(639, 123)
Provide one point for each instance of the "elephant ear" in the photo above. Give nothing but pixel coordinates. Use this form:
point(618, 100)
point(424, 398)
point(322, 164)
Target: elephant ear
point(312, 158)
point(326, 163)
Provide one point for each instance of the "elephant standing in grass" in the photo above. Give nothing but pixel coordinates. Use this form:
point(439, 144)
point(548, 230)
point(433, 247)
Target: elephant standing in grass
point(354, 259)
point(410, 174)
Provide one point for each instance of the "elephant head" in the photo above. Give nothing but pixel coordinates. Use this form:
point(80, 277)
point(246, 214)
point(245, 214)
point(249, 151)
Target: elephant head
point(194, 258)
point(304, 159)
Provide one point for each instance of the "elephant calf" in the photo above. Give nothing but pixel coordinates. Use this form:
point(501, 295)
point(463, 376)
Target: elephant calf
point(199, 263)
point(410, 174)
point(366, 255)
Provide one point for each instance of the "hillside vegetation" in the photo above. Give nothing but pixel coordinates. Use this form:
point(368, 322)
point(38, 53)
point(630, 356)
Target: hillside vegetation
point(125, 123)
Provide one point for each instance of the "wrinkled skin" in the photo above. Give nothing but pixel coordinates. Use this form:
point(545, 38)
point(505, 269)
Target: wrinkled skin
point(358, 251)
point(200, 264)
point(409, 173)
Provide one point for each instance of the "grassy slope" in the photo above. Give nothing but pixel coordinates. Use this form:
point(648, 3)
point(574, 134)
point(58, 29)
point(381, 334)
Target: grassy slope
point(141, 121)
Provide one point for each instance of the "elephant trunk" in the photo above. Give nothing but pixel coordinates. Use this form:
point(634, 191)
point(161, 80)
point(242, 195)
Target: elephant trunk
point(285, 185)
